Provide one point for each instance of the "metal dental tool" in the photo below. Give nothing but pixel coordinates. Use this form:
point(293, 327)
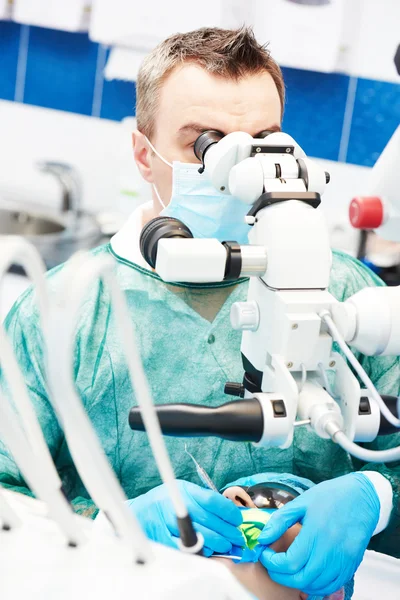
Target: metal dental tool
point(202, 473)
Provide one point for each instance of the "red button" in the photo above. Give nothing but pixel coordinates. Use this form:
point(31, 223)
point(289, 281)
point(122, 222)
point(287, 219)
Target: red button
point(366, 212)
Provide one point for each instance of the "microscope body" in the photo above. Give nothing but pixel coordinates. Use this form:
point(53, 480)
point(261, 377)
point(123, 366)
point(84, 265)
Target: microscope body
point(291, 366)
point(283, 335)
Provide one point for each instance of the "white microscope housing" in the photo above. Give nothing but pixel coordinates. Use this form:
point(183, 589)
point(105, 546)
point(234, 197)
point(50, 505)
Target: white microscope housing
point(290, 320)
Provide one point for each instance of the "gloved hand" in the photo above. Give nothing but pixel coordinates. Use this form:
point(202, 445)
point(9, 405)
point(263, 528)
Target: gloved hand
point(214, 516)
point(338, 518)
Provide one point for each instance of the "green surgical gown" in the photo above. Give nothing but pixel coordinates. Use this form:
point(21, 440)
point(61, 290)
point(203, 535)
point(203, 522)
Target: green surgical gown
point(187, 359)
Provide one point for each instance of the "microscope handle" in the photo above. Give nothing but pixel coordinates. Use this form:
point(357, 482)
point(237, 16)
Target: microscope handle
point(238, 421)
point(393, 404)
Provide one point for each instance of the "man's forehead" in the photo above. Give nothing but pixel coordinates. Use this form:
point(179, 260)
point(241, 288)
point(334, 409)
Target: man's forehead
point(193, 101)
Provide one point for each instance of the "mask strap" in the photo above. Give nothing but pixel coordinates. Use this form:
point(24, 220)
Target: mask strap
point(158, 154)
point(158, 195)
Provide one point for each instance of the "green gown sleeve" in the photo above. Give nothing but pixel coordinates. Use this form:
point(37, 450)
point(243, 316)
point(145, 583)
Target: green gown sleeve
point(24, 330)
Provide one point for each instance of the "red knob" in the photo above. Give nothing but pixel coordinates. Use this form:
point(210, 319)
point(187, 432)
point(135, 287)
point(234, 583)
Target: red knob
point(366, 212)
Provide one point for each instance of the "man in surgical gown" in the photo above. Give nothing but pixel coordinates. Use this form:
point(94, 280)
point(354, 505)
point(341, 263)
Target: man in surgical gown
point(221, 80)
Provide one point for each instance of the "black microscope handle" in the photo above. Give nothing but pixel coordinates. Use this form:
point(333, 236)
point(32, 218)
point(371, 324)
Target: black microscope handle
point(238, 421)
point(392, 403)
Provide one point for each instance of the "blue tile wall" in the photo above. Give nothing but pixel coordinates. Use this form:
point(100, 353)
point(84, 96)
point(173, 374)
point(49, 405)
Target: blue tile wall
point(376, 116)
point(119, 100)
point(318, 131)
point(9, 45)
point(63, 72)
point(60, 70)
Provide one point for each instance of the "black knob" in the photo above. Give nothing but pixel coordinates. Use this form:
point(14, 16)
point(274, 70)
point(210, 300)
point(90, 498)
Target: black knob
point(327, 177)
point(155, 230)
point(234, 389)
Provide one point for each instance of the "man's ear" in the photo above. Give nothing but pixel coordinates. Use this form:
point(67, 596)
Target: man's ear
point(142, 155)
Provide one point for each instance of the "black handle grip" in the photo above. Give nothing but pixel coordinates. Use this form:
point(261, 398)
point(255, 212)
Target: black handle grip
point(392, 402)
point(238, 421)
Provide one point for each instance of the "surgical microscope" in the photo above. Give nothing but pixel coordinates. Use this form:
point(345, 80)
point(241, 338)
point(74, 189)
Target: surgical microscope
point(295, 334)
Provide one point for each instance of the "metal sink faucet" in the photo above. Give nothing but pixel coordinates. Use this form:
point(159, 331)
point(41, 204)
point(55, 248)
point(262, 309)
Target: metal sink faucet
point(70, 181)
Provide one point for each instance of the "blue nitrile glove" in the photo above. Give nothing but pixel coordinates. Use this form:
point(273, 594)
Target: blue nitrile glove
point(338, 518)
point(214, 516)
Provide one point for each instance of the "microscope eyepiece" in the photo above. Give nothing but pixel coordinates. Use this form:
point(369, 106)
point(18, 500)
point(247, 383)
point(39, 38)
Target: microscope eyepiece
point(204, 142)
point(155, 230)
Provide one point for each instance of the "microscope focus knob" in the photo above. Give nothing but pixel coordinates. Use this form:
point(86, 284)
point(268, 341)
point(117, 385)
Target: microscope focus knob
point(245, 316)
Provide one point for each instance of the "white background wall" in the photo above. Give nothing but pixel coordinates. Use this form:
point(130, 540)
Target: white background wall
point(101, 151)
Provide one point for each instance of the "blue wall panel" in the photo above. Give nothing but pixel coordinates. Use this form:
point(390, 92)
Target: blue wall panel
point(315, 109)
point(375, 117)
point(61, 70)
point(64, 71)
point(9, 44)
point(119, 100)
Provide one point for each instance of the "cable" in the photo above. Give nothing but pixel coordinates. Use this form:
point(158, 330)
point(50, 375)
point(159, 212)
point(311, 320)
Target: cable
point(302, 423)
point(325, 316)
point(338, 436)
point(303, 377)
point(27, 444)
point(325, 379)
point(21, 252)
point(88, 274)
point(83, 442)
point(36, 477)
point(145, 400)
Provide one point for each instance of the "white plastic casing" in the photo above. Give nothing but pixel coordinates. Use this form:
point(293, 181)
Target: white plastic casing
point(191, 260)
point(289, 327)
point(346, 389)
point(246, 180)
point(245, 316)
point(278, 431)
point(318, 406)
point(221, 157)
point(316, 178)
point(370, 320)
point(297, 245)
point(279, 138)
point(254, 175)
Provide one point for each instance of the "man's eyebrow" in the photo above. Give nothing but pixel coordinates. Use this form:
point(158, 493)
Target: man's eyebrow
point(198, 129)
point(271, 129)
point(194, 128)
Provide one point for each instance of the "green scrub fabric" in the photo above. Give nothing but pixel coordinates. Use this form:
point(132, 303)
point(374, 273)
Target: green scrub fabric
point(187, 359)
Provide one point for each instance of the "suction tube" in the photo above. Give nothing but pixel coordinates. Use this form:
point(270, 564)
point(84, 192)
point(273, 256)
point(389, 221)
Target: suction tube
point(237, 421)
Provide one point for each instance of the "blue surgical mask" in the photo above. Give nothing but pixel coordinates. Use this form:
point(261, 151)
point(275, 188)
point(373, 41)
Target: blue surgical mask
point(207, 212)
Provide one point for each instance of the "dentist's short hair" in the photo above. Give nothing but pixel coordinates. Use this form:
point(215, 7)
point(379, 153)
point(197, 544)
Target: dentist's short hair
point(223, 52)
